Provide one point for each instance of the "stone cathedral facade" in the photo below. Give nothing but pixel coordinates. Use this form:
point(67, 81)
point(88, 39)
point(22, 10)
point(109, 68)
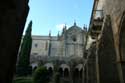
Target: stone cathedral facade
point(69, 45)
point(61, 54)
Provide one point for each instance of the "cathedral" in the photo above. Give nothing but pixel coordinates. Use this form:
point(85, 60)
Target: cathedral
point(70, 44)
point(64, 52)
point(96, 55)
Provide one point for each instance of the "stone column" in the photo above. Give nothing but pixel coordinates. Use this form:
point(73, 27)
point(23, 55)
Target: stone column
point(107, 55)
point(13, 14)
point(97, 64)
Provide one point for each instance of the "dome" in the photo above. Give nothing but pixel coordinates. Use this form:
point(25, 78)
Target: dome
point(75, 27)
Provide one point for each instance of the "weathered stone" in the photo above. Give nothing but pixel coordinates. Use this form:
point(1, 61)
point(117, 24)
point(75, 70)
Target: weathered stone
point(107, 56)
point(92, 78)
point(122, 44)
point(110, 62)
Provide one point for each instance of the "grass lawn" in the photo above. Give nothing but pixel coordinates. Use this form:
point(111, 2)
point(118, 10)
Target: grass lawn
point(23, 80)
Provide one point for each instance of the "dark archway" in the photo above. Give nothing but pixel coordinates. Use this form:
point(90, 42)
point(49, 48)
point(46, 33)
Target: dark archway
point(76, 73)
point(61, 72)
point(50, 70)
point(81, 73)
point(34, 68)
point(66, 72)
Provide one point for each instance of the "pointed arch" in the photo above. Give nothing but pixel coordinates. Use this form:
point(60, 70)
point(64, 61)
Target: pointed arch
point(122, 38)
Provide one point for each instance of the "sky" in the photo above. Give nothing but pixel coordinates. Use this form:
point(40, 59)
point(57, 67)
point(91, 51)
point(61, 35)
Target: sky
point(51, 15)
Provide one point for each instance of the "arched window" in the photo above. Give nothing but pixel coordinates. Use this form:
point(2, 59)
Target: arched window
point(74, 39)
point(66, 72)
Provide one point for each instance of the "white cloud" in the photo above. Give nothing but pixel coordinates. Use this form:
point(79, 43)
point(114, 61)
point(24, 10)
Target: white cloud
point(59, 27)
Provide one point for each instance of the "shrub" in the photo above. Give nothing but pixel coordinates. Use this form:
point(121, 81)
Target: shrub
point(41, 75)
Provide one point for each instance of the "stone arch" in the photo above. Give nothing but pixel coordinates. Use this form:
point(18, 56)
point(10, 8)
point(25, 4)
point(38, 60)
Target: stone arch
point(122, 38)
point(50, 70)
point(63, 66)
point(77, 75)
point(78, 70)
point(49, 66)
point(34, 66)
point(80, 67)
point(66, 72)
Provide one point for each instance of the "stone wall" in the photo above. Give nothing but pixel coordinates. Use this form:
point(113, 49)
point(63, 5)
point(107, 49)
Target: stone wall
point(40, 46)
point(115, 9)
point(75, 41)
point(108, 72)
point(110, 47)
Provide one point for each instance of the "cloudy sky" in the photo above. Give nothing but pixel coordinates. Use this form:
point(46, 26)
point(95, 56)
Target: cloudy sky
point(52, 15)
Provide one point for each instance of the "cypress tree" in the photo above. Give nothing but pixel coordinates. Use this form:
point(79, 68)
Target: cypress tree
point(23, 67)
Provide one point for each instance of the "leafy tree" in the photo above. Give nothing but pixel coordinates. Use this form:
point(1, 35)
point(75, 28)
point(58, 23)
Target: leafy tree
point(23, 67)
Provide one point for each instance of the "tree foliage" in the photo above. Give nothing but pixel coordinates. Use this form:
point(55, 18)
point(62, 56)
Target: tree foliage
point(41, 75)
point(24, 54)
